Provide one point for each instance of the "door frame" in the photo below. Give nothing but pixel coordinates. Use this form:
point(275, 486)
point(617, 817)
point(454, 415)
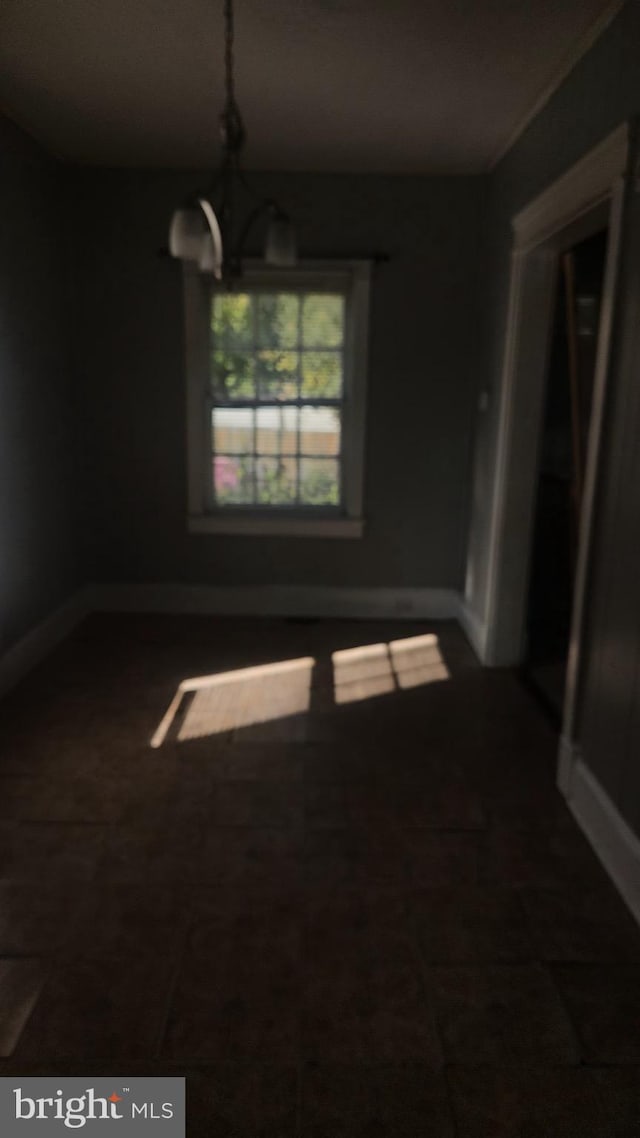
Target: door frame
point(590, 196)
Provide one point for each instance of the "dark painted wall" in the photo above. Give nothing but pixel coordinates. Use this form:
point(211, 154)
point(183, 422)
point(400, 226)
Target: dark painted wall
point(37, 555)
point(601, 92)
point(423, 367)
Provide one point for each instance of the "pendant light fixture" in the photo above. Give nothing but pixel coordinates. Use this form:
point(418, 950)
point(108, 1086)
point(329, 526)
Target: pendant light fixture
point(209, 229)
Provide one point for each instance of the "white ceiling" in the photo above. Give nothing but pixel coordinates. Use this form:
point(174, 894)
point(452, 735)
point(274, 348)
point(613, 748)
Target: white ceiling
point(406, 86)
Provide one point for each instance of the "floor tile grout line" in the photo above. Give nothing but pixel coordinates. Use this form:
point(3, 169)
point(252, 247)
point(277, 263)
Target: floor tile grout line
point(450, 1101)
point(171, 988)
point(580, 1047)
point(48, 971)
point(299, 1093)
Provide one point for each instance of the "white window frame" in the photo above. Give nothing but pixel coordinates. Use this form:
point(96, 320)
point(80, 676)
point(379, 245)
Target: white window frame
point(352, 277)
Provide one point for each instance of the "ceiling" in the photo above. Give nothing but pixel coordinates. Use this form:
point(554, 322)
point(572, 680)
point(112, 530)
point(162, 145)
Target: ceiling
point(397, 86)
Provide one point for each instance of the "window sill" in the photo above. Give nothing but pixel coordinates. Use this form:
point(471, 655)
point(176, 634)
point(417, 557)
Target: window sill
point(280, 526)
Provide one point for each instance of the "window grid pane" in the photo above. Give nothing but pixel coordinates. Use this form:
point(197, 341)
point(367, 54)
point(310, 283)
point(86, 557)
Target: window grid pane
point(278, 385)
point(277, 432)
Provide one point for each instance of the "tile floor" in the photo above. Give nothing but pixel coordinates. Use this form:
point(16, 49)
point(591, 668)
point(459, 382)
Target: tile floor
point(340, 893)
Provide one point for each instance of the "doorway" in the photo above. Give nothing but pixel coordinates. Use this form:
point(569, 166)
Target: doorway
point(589, 199)
point(563, 446)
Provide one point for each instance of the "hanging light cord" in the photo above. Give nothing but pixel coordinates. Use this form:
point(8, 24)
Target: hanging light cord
point(228, 52)
point(230, 177)
point(231, 124)
point(219, 249)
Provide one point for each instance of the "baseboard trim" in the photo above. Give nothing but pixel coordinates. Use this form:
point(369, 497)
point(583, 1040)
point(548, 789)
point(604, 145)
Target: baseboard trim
point(32, 648)
point(612, 839)
point(568, 756)
point(474, 629)
point(270, 600)
point(280, 601)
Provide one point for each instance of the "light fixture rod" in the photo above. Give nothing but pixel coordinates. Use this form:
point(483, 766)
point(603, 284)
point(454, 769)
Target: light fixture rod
point(222, 240)
point(228, 52)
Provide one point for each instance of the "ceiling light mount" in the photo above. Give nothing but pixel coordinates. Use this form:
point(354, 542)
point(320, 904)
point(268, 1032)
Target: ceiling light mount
point(207, 229)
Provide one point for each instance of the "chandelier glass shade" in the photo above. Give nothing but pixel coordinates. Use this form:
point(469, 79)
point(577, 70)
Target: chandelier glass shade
point(211, 229)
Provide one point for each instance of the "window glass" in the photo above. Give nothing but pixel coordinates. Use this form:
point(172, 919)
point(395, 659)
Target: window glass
point(277, 369)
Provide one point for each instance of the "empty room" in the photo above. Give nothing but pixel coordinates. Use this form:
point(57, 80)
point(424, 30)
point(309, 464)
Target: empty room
point(319, 564)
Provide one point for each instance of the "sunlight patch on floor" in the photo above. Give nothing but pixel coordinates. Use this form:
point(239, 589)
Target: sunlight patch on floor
point(417, 660)
point(241, 698)
point(361, 673)
point(247, 697)
point(377, 669)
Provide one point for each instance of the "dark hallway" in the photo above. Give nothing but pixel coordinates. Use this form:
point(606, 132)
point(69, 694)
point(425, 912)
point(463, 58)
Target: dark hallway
point(562, 467)
point(364, 910)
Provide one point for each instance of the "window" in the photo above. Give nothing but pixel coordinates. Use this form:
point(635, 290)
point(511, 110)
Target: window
point(276, 378)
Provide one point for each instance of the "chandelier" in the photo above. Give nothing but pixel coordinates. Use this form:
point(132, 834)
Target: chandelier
point(212, 228)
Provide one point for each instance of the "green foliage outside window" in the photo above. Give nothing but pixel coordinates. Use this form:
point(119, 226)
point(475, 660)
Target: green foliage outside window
point(279, 347)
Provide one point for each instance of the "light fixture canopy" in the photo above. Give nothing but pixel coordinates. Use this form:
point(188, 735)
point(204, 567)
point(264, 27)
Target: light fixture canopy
point(206, 229)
